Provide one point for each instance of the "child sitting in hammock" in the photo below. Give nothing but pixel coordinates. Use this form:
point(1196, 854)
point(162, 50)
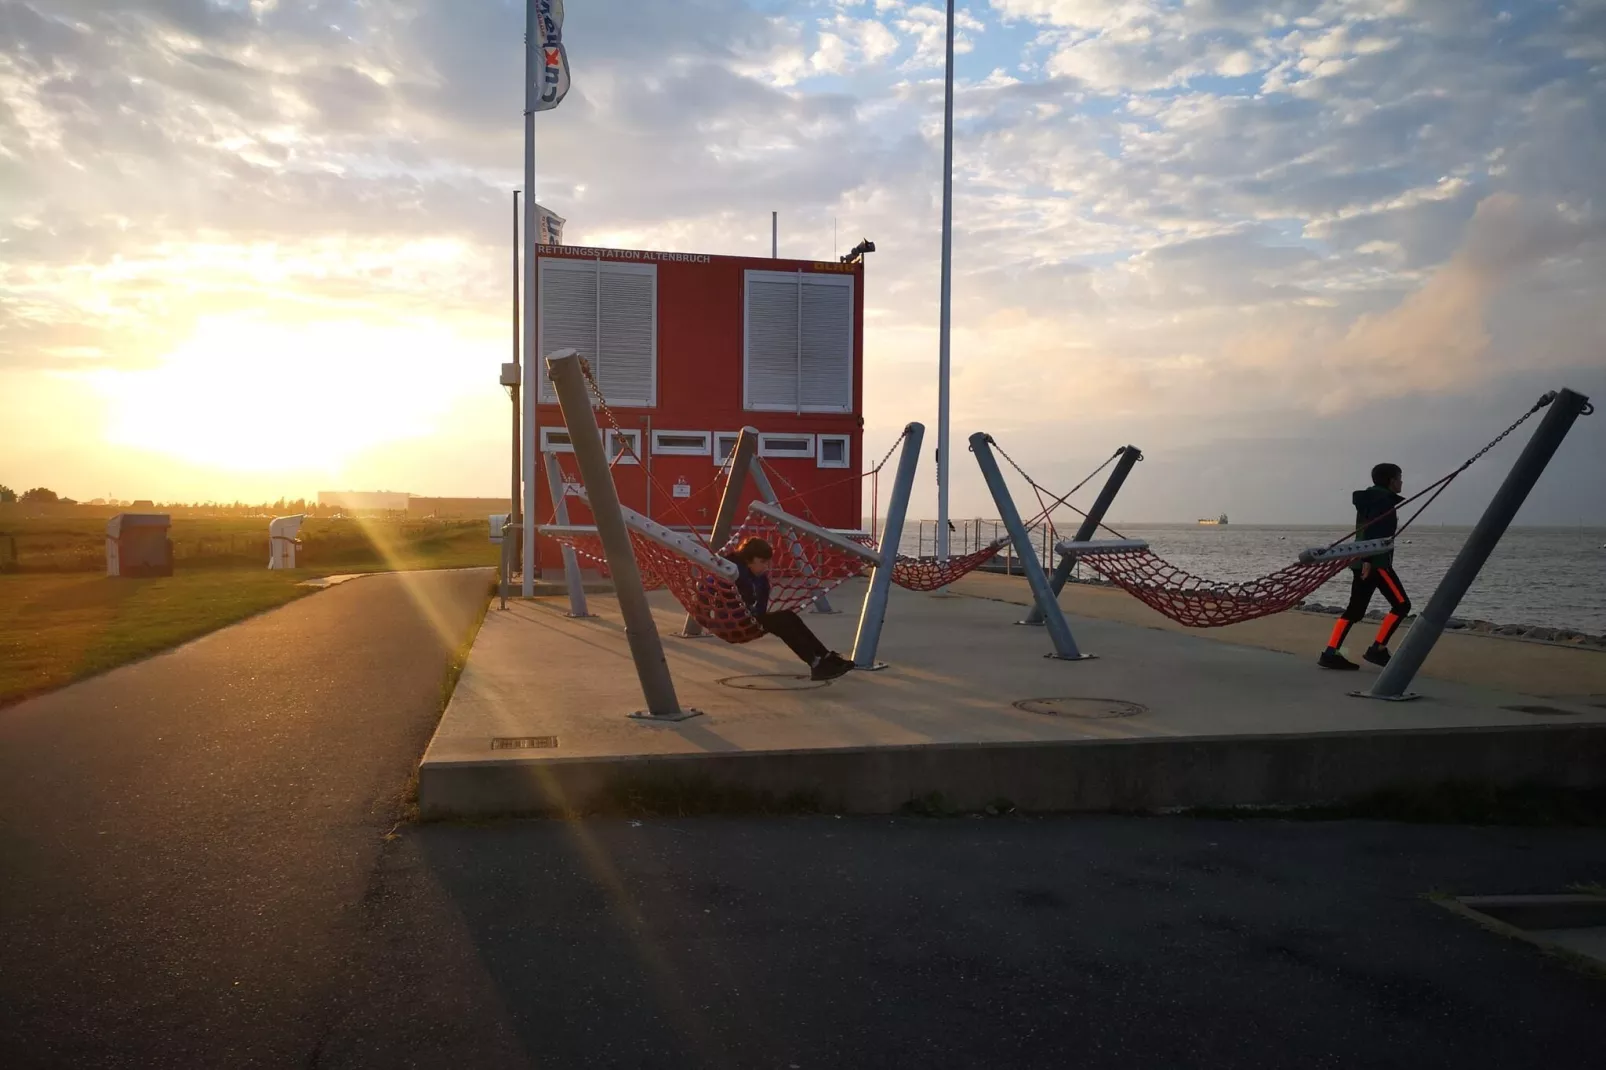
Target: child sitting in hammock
point(753, 559)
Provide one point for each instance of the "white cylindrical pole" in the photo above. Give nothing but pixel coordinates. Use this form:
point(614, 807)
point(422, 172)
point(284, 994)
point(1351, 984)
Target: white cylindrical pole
point(532, 359)
point(947, 288)
point(775, 235)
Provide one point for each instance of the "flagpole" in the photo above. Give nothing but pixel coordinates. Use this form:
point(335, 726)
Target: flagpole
point(947, 288)
point(532, 360)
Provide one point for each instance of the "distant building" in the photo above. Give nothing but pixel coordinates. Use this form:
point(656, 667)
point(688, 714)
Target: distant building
point(479, 508)
point(364, 501)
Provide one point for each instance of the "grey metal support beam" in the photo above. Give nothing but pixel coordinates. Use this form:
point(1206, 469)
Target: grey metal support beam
point(1564, 409)
point(1130, 455)
point(766, 491)
point(725, 518)
point(571, 561)
point(641, 631)
point(874, 613)
point(1058, 630)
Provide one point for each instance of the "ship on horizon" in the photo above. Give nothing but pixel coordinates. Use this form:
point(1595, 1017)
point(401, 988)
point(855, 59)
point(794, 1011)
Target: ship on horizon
point(1220, 521)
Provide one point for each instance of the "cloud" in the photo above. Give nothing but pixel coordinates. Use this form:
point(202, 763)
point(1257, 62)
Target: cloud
point(1173, 219)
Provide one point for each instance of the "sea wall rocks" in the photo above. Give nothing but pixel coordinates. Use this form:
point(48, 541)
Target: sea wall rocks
point(1531, 632)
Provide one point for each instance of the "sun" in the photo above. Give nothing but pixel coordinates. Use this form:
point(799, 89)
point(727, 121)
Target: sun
point(247, 394)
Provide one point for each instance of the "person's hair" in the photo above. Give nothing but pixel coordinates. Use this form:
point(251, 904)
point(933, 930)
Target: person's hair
point(1383, 473)
point(754, 549)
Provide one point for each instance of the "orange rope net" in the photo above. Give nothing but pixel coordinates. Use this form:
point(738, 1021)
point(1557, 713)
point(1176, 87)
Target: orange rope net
point(1199, 603)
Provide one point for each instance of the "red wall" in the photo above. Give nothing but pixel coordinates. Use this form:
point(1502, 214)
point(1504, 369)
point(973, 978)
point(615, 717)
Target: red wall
point(700, 329)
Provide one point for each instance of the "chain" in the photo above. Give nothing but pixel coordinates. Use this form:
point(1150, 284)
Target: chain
point(1546, 399)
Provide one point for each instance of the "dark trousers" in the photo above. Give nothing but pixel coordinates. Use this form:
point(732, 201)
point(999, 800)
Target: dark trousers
point(789, 628)
point(1378, 578)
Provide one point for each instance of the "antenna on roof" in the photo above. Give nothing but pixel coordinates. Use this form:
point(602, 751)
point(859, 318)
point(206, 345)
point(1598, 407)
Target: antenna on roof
point(775, 235)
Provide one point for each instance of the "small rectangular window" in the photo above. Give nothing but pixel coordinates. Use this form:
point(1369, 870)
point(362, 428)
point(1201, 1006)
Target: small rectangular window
point(681, 443)
point(617, 443)
point(724, 445)
point(556, 440)
point(833, 452)
point(779, 445)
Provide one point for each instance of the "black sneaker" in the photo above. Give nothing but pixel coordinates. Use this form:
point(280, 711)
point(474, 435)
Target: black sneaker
point(1331, 659)
point(830, 667)
point(1377, 655)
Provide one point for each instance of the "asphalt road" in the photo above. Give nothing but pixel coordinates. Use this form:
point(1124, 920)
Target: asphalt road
point(197, 869)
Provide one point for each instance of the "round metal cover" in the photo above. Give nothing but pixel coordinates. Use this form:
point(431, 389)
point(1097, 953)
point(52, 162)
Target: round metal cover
point(1095, 709)
point(779, 681)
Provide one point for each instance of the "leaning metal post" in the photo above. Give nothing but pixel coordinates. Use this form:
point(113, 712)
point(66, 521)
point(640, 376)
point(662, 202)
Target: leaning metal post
point(1130, 455)
point(1058, 630)
point(571, 561)
point(1566, 407)
point(603, 497)
point(766, 491)
point(729, 502)
point(874, 613)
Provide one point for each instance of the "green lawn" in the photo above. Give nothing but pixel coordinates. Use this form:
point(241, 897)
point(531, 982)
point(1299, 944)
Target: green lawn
point(60, 626)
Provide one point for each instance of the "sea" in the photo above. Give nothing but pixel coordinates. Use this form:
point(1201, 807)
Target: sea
point(1545, 577)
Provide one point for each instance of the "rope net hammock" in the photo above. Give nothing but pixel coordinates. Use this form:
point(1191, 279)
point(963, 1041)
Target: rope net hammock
point(1199, 603)
point(1195, 602)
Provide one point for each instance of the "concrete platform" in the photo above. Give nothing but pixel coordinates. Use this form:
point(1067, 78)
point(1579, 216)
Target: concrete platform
point(539, 720)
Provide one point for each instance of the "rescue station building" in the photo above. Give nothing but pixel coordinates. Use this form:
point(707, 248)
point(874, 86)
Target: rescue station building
point(689, 348)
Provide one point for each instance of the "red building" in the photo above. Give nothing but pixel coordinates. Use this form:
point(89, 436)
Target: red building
point(688, 349)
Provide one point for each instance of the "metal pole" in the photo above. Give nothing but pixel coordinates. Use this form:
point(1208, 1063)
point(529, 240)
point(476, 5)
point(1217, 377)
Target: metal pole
point(1058, 630)
point(874, 612)
point(641, 631)
point(1130, 455)
point(516, 512)
point(1396, 676)
point(775, 235)
point(729, 502)
point(766, 491)
point(532, 366)
point(571, 561)
point(947, 288)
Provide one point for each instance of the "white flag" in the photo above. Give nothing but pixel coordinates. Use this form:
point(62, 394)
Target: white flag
point(549, 227)
point(552, 68)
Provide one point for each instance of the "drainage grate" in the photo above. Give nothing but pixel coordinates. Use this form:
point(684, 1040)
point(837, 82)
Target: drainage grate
point(523, 742)
point(779, 681)
point(1542, 710)
point(1094, 709)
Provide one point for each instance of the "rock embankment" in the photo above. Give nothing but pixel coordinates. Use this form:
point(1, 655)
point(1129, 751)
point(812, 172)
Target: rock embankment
point(1532, 632)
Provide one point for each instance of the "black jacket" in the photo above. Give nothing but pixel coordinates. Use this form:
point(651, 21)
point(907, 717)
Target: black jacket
point(1375, 520)
point(755, 590)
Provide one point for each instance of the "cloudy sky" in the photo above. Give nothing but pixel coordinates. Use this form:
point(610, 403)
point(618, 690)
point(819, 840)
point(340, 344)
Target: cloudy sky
point(260, 247)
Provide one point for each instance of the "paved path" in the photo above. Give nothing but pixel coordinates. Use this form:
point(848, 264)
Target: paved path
point(196, 872)
point(188, 842)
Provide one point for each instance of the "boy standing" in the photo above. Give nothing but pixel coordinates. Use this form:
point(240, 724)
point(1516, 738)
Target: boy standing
point(1374, 519)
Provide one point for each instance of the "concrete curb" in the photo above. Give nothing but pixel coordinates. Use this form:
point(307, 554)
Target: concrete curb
point(1080, 775)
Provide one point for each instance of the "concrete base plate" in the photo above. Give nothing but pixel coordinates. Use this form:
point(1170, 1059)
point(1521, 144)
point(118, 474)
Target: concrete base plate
point(686, 713)
point(1223, 725)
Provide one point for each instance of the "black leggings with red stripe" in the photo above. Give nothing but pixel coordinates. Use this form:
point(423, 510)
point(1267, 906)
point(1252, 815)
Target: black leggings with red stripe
point(1377, 578)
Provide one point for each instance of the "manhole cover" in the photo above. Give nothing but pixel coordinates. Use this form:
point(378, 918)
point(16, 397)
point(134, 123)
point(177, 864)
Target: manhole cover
point(773, 682)
point(1094, 709)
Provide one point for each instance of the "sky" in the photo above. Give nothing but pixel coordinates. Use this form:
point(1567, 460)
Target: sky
point(253, 248)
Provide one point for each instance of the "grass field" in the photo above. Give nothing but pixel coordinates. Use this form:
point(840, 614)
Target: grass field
point(78, 544)
point(60, 625)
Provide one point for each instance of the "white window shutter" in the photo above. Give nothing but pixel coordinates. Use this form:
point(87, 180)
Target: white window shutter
point(568, 313)
point(772, 342)
point(827, 344)
point(627, 338)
